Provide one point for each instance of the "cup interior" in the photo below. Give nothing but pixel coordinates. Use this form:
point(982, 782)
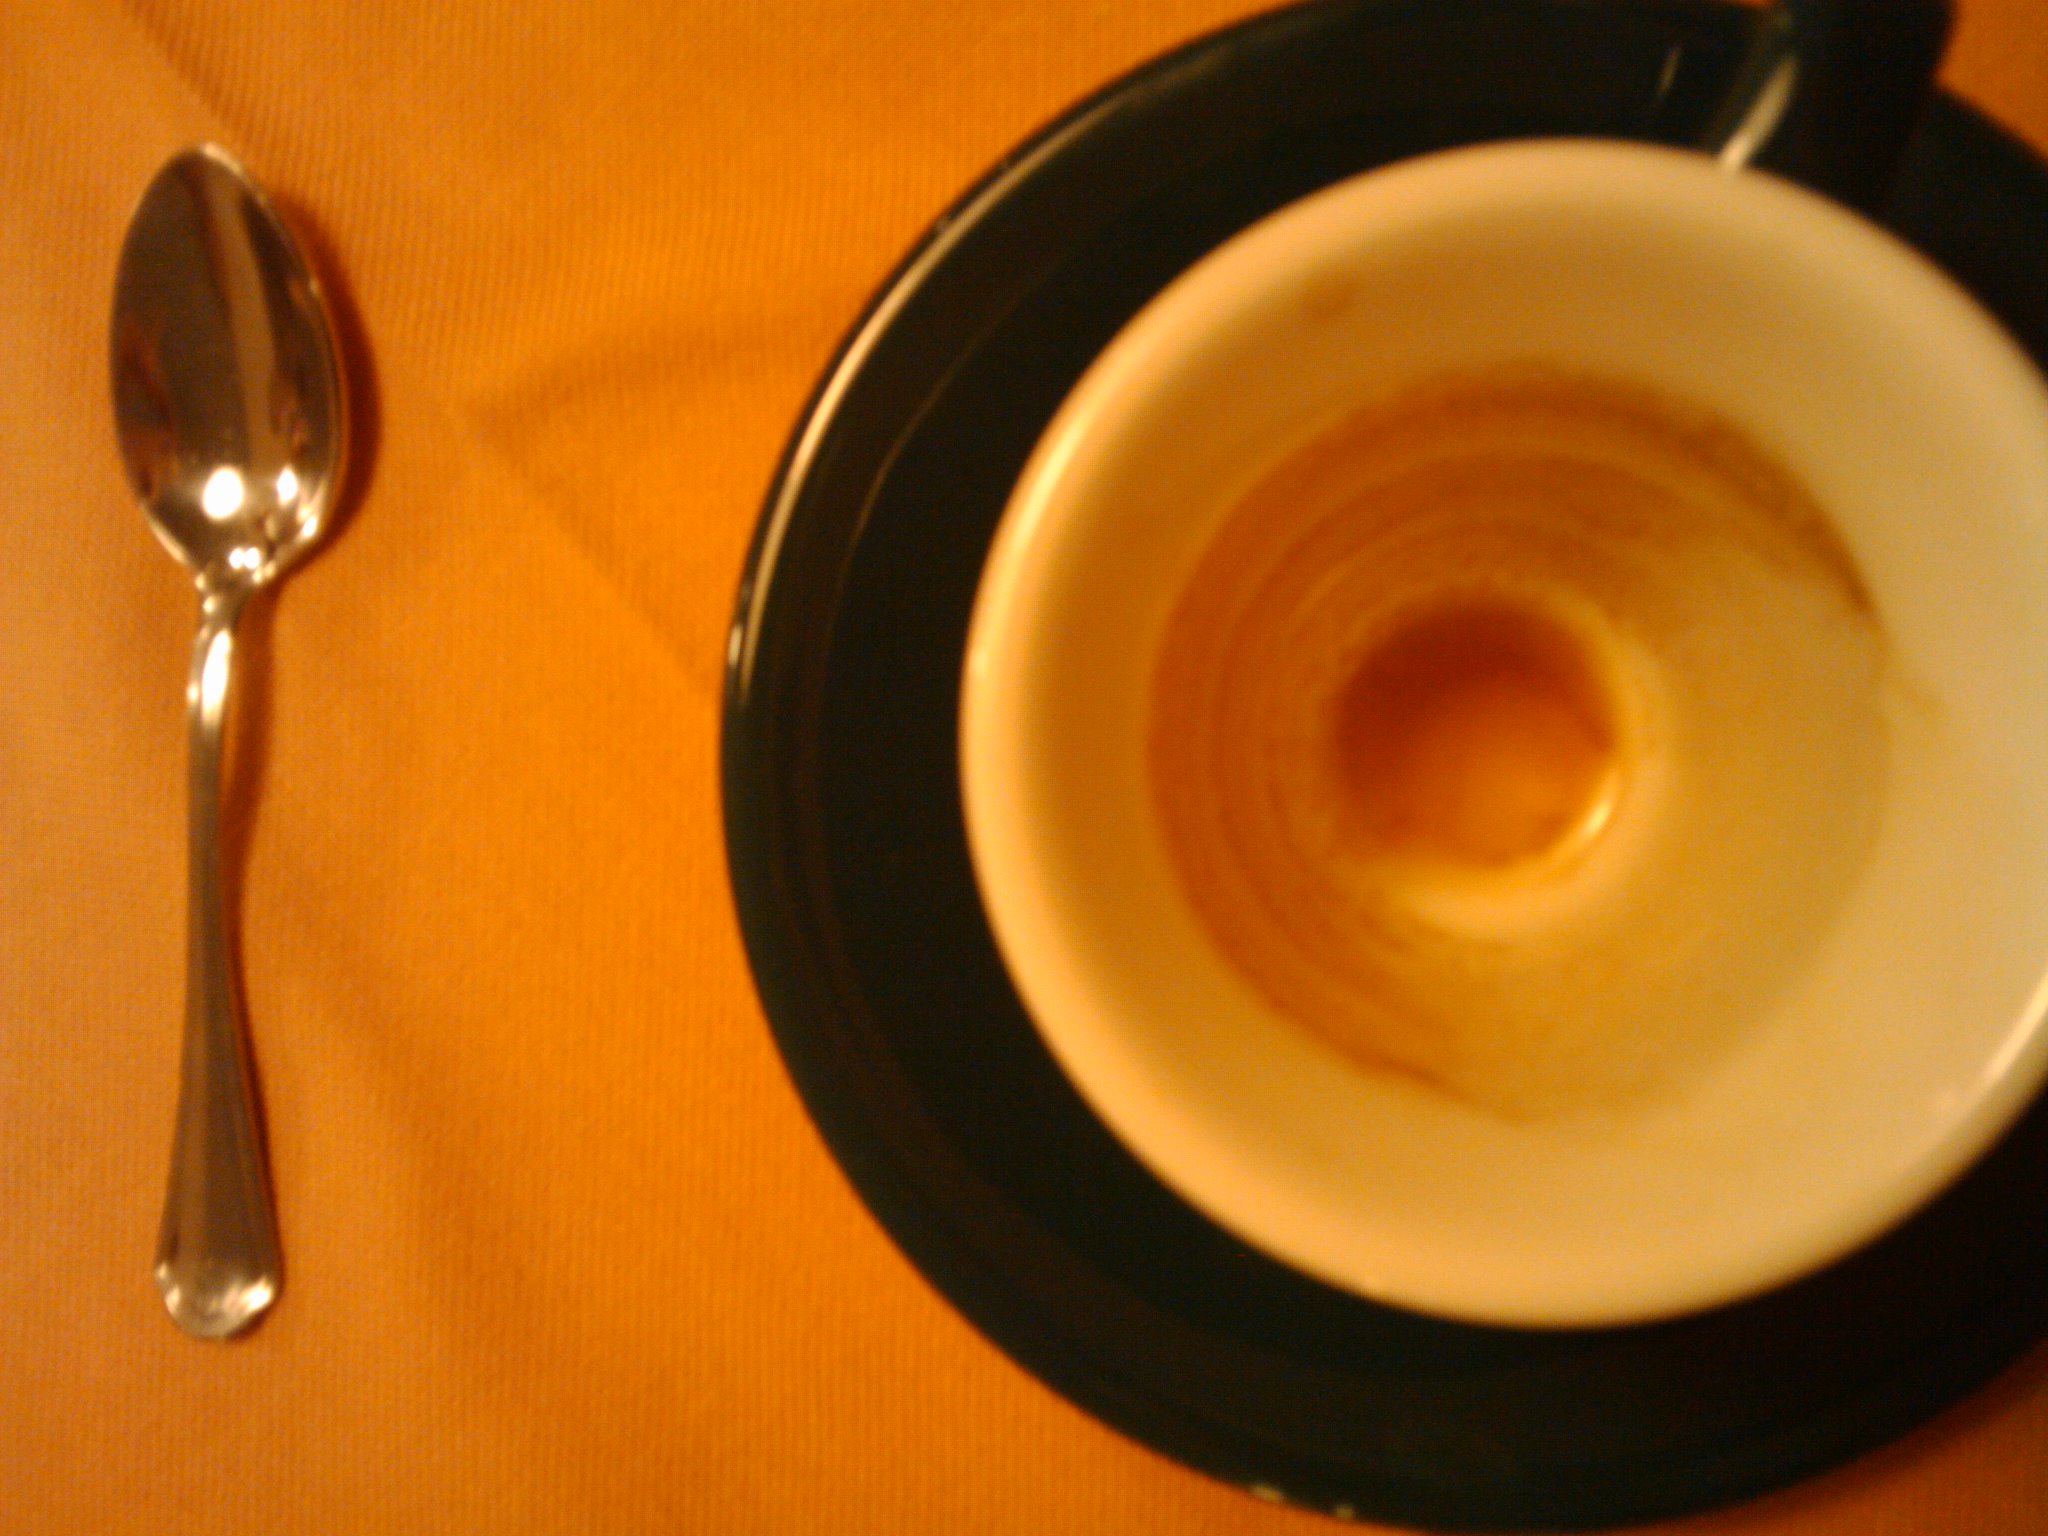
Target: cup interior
point(1893, 1029)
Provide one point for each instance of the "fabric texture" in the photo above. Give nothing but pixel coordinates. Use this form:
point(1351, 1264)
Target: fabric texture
point(564, 1253)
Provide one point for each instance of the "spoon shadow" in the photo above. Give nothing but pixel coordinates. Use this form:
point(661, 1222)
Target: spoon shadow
point(245, 763)
point(352, 346)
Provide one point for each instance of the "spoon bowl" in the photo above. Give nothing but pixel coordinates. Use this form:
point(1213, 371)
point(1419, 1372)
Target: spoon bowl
point(228, 404)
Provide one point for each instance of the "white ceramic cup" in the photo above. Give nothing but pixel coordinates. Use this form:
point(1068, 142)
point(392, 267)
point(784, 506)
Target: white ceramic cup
point(1909, 1033)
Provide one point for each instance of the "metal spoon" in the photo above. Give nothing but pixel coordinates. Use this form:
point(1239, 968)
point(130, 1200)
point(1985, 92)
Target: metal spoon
point(229, 409)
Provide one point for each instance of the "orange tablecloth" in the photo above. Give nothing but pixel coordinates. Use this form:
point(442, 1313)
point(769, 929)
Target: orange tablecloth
point(564, 1253)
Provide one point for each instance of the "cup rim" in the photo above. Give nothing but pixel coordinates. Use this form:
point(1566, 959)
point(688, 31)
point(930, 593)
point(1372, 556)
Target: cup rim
point(1014, 891)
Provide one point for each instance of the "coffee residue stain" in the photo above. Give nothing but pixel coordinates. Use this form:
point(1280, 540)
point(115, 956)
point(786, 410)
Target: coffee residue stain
point(1669, 588)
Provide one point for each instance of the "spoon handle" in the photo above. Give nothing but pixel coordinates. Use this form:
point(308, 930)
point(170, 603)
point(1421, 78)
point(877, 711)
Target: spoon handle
point(217, 1258)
